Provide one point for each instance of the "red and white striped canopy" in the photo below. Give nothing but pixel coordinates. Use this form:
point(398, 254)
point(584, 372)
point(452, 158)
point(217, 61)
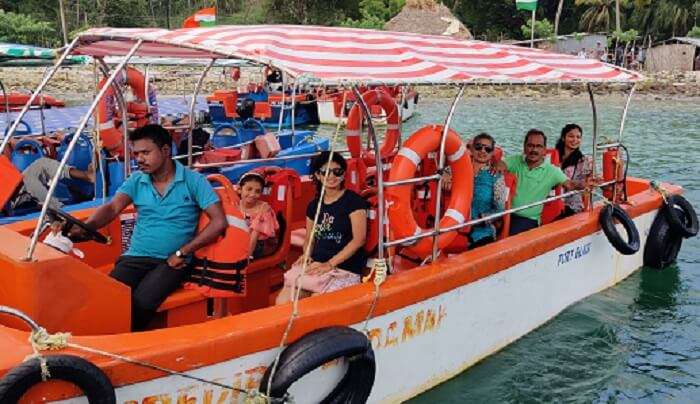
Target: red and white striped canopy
point(333, 55)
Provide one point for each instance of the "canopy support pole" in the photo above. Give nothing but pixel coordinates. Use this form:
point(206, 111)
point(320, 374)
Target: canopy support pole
point(32, 97)
point(623, 119)
point(441, 168)
point(71, 146)
point(193, 103)
point(97, 139)
point(282, 103)
point(532, 30)
point(8, 117)
point(624, 113)
point(595, 140)
point(41, 109)
point(380, 171)
point(117, 90)
point(147, 76)
point(403, 101)
point(294, 104)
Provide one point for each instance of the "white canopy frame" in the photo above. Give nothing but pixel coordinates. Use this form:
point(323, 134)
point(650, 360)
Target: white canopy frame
point(95, 41)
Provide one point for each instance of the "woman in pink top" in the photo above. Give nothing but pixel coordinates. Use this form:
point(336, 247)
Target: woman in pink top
point(260, 217)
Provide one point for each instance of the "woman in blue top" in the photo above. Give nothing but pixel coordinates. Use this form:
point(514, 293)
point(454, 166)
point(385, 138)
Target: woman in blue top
point(489, 190)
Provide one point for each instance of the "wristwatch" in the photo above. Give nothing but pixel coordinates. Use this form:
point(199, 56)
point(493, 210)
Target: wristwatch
point(179, 254)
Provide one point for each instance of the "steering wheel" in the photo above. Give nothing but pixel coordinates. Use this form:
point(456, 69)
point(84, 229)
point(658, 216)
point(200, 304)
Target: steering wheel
point(70, 221)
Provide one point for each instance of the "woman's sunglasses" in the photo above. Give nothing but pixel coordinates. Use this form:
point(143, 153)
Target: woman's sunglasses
point(479, 146)
point(338, 172)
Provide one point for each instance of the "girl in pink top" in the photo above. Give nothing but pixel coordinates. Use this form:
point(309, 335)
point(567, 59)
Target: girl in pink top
point(260, 217)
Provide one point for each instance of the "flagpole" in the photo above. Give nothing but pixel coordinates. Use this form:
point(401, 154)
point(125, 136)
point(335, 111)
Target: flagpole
point(532, 30)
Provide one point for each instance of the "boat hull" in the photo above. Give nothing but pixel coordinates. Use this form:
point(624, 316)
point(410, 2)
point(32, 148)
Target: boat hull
point(440, 336)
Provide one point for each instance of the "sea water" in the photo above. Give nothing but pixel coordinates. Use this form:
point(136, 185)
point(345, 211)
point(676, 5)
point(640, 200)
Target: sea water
point(636, 342)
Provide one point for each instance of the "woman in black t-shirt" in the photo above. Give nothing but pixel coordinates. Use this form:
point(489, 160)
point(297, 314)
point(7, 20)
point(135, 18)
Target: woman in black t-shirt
point(337, 258)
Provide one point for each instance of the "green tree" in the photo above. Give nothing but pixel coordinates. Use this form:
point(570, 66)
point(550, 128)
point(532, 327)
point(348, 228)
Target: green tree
point(543, 29)
point(312, 12)
point(24, 29)
point(695, 32)
point(375, 13)
point(491, 19)
point(127, 13)
point(664, 18)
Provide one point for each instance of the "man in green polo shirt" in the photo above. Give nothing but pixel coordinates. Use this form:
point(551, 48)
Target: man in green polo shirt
point(168, 199)
point(536, 178)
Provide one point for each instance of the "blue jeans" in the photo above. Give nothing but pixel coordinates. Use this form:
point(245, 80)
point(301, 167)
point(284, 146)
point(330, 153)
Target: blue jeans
point(519, 224)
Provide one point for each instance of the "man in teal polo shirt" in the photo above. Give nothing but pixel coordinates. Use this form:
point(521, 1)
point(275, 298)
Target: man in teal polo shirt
point(536, 178)
point(168, 198)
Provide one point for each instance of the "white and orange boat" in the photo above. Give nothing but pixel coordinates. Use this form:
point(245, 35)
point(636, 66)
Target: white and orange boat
point(15, 100)
point(381, 341)
point(334, 105)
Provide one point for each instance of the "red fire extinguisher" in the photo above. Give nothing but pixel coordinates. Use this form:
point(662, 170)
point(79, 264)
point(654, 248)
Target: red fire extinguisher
point(612, 164)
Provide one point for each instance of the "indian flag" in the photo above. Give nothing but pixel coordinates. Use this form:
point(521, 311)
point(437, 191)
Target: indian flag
point(205, 17)
point(528, 5)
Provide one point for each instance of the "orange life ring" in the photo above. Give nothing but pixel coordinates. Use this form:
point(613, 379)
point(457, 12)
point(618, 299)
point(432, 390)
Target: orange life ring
point(110, 121)
point(219, 268)
point(352, 130)
point(404, 166)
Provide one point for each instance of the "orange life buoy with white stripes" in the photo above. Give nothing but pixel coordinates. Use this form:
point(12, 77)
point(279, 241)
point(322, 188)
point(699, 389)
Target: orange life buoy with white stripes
point(144, 110)
point(218, 270)
point(352, 129)
point(404, 166)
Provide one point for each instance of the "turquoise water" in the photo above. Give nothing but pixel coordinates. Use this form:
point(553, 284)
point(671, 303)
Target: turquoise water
point(636, 342)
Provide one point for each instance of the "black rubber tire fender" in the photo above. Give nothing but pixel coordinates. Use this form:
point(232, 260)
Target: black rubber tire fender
point(319, 347)
point(663, 243)
point(686, 224)
point(607, 223)
point(72, 369)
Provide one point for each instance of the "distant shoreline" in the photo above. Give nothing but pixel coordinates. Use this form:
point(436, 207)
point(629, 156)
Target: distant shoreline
point(76, 85)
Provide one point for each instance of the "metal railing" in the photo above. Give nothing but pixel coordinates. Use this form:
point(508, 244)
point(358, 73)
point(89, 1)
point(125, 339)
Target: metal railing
point(494, 216)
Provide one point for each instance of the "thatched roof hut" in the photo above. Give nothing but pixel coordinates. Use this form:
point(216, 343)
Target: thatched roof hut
point(427, 17)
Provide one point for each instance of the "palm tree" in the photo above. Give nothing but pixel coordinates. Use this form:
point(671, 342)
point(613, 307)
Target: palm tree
point(556, 18)
point(617, 16)
point(673, 16)
point(663, 17)
point(597, 15)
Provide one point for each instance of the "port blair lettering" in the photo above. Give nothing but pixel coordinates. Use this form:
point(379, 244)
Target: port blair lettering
point(573, 254)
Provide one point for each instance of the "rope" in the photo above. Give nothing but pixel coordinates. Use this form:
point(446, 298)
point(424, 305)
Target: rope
point(41, 340)
point(603, 198)
point(661, 190)
point(305, 257)
point(379, 270)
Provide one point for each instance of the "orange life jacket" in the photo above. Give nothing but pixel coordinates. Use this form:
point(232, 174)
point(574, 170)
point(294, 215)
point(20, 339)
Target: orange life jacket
point(219, 269)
